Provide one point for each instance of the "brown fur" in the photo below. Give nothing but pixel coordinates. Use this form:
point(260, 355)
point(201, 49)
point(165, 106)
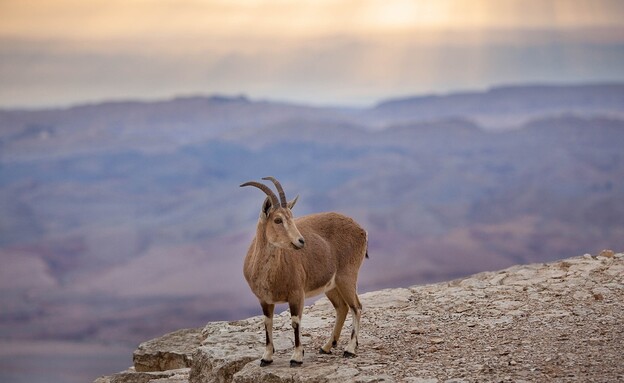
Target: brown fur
point(280, 269)
point(334, 244)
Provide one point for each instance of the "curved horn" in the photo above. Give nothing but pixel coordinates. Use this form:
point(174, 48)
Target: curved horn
point(265, 189)
point(280, 190)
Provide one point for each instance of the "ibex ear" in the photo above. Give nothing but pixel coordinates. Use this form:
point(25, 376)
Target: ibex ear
point(266, 207)
point(292, 203)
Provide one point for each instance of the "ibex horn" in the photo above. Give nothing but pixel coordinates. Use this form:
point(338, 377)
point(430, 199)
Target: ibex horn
point(280, 190)
point(265, 189)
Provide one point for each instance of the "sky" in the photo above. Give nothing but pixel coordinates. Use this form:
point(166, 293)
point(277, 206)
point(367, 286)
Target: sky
point(341, 52)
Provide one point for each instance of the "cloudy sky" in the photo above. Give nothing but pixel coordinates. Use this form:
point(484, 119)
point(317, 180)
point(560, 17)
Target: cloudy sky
point(349, 52)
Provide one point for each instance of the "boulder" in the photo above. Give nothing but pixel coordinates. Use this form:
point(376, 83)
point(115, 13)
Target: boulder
point(169, 352)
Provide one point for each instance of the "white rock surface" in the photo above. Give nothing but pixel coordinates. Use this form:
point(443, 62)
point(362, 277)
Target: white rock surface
point(557, 322)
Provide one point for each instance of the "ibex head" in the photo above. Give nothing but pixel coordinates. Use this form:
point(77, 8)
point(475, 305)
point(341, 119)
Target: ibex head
point(276, 215)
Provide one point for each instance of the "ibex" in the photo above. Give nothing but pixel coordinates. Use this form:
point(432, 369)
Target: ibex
point(291, 259)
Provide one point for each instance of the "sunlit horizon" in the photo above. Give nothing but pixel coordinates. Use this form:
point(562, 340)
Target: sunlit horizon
point(349, 53)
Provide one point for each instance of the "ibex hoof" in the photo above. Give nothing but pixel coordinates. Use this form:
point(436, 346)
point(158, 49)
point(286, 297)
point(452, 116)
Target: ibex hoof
point(294, 363)
point(264, 363)
point(321, 351)
point(348, 354)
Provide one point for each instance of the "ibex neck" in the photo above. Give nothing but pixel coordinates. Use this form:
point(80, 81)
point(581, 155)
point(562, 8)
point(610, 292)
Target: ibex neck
point(263, 248)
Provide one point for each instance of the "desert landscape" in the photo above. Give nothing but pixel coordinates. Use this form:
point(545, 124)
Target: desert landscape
point(121, 221)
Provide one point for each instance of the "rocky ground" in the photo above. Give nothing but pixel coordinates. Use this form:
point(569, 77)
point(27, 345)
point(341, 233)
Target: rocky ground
point(556, 322)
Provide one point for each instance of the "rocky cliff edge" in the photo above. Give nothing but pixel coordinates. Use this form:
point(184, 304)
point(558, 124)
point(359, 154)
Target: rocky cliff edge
point(561, 321)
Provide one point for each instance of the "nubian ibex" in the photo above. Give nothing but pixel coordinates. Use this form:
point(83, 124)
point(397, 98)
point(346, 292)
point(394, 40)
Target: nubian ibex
point(291, 259)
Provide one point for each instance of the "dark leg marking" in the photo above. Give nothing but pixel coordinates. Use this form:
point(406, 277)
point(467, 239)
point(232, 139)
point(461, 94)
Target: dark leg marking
point(296, 313)
point(297, 340)
point(296, 363)
point(353, 336)
point(267, 310)
point(264, 363)
point(348, 354)
point(321, 351)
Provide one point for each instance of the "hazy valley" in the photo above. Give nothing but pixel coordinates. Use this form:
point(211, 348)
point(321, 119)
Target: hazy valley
point(121, 221)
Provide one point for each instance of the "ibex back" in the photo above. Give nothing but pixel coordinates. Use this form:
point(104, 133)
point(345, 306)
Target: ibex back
point(291, 259)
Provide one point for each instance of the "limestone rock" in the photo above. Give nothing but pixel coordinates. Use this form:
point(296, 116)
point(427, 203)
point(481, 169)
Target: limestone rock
point(561, 321)
point(169, 352)
point(219, 361)
point(133, 376)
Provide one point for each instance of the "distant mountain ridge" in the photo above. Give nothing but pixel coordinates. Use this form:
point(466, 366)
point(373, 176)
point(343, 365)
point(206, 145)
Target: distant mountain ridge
point(218, 113)
point(134, 207)
point(552, 94)
point(506, 101)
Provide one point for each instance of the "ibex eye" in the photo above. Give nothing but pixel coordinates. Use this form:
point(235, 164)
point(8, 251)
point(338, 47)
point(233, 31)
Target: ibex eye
point(278, 221)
